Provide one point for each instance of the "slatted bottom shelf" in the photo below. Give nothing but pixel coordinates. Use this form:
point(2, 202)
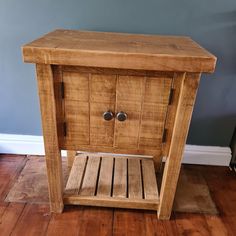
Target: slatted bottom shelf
point(112, 181)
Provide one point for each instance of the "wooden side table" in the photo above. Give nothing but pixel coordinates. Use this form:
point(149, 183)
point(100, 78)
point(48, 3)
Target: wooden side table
point(116, 93)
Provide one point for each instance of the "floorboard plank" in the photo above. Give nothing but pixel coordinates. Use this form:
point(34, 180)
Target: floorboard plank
point(222, 184)
point(191, 224)
point(33, 220)
point(10, 217)
point(96, 221)
point(10, 168)
point(129, 222)
point(66, 224)
point(29, 219)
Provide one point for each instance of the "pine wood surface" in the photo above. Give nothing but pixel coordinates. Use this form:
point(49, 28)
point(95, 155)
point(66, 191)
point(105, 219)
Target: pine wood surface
point(27, 219)
point(109, 181)
point(189, 85)
point(48, 107)
point(88, 95)
point(73, 103)
point(117, 50)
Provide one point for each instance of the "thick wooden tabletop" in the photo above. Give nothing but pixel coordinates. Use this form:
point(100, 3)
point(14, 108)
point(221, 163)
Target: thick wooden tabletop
point(119, 50)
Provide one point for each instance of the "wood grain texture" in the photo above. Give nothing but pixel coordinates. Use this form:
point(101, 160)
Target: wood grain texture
point(60, 113)
point(145, 100)
point(10, 217)
point(96, 221)
point(88, 187)
point(129, 223)
point(117, 50)
point(102, 99)
point(50, 134)
point(153, 79)
point(86, 220)
point(129, 91)
point(111, 181)
point(76, 176)
point(149, 179)
point(187, 96)
point(9, 171)
point(114, 202)
point(120, 178)
point(76, 107)
point(33, 221)
point(66, 224)
point(135, 179)
point(105, 177)
point(70, 158)
point(176, 86)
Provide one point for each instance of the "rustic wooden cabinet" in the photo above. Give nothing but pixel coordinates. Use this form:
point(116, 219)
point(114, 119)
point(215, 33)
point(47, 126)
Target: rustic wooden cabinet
point(119, 94)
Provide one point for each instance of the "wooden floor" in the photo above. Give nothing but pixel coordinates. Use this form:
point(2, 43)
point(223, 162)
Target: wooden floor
point(29, 219)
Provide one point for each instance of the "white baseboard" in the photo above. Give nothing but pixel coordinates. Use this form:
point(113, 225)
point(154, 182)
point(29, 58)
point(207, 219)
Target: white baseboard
point(193, 154)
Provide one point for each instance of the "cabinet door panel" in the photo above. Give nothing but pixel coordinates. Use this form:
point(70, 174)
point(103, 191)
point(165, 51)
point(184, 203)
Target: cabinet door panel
point(76, 86)
point(154, 108)
point(76, 108)
point(102, 99)
point(129, 100)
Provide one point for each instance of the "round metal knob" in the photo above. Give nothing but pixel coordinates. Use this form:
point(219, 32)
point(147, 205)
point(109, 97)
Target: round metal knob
point(121, 116)
point(108, 115)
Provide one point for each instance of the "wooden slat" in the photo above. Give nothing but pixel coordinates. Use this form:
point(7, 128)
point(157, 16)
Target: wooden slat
point(76, 175)
point(134, 179)
point(88, 187)
point(189, 85)
point(70, 158)
point(50, 134)
point(116, 50)
point(149, 180)
point(93, 148)
point(112, 202)
point(117, 71)
point(120, 178)
point(105, 177)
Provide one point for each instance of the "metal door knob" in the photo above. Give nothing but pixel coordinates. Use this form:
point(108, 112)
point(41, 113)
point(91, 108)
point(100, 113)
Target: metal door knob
point(121, 116)
point(108, 115)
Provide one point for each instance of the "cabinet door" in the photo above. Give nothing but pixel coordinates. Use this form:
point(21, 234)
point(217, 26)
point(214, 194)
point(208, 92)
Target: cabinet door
point(87, 95)
point(145, 101)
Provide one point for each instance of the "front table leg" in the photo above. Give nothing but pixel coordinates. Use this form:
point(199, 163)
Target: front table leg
point(181, 125)
point(49, 123)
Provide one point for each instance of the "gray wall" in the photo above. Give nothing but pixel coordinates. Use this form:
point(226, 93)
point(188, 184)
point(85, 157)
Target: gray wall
point(212, 23)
